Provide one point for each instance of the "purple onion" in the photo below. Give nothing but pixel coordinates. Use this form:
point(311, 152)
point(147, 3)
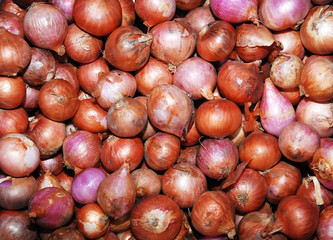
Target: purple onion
point(276, 111)
point(85, 185)
point(51, 207)
point(66, 6)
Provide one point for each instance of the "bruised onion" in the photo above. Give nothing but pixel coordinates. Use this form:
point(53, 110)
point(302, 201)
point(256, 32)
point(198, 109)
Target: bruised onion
point(146, 181)
point(12, 92)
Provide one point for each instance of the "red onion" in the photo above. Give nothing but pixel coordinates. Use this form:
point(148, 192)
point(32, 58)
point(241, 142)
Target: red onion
point(284, 14)
point(51, 207)
point(199, 17)
point(19, 155)
point(66, 232)
point(276, 111)
point(213, 214)
point(15, 53)
point(68, 72)
point(170, 109)
point(53, 165)
point(12, 92)
point(45, 26)
point(127, 12)
point(197, 77)
point(66, 6)
point(116, 193)
point(12, 23)
point(98, 18)
point(325, 229)
point(184, 183)
point(146, 181)
point(81, 150)
point(30, 102)
point(114, 86)
point(235, 11)
point(155, 12)
point(13, 121)
point(319, 115)
point(85, 185)
point(156, 217)
point(17, 225)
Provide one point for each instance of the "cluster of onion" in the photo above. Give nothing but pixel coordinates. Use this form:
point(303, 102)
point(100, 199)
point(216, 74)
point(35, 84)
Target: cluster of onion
point(122, 119)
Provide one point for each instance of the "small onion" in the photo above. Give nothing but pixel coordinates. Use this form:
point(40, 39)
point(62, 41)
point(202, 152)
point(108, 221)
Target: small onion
point(12, 92)
point(146, 181)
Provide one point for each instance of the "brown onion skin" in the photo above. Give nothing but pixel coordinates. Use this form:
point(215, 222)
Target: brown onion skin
point(13, 121)
point(15, 53)
point(218, 118)
point(188, 4)
point(17, 225)
point(53, 165)
point(66, 179)
point(121, 224)
point(12, 23)
point(81, 46)
point(213, 214)
point(66, 232)
point(68, 72)
point(98, 18)
point(161, 151)
point(293, 95)
point(128, 48)
point(216, 40)
point(146, 181)
point(240, 82)
point(184, 183)
point(10, 6)
point(47, 180)
point(173, 42)
point(188, 154)
point(199, 17)
point(260, 150)
point(12, 92)
point(156, 217)
point(282, 180)
point(151, 75)
point(128, 12)
point(58, 100)
point(116, 151)
point(48, 135)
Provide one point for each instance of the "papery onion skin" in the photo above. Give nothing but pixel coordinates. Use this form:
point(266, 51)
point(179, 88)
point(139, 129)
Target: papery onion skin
point(66, 179)
point(218, 118)
point(15, 53)
point(47, 180)
point(146, 181)
point(316, 30)
point(98, 18)
point(156, 217)
point(12, 23)
point(45, 26)
point(325, 229)
point(19, 155)
point(12, 92)
point(13, 121)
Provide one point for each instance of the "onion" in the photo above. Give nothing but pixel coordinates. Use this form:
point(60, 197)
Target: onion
point(317, 86)
point(10, 6)
point(128, 48)
point(12, 23)
point(197, 77)
point(260, 150)
point(170, 109)
point(15, 53)
point(109, 235)
point(66, 232)
point(188, 4)
point(66, 6)
point(81, 150)
point(98, 18)
point(284, 14)
point(113, 86)
point(151, 75)
point(85, 185)
point(319, 115)
point(315, 32)
point(199, 17)
point(127, 12)
point(51, 207)
point(276, 111)
point(19, 155)
point(282, 180)
point(217, 158)
point(12, 92)
point(156, 217)
point(127, 117)
point(121, 224)
point(41, 67)
point(218, 118)
point(184, 183)
point(45, 26)
point(173, 41)
point(81, 46)
point(240, 82)
point(53, 165)
point(216, 40)
point(15, 193)
point(146, 181)
point(188, 154)
point(324, 229)
point(213, 214)
point(48, 135)
point(66, 179)
point(299, 141)
point(293, 95)
point(91, 221)
point(192, 136)
point(235, 11)
point(116, 151)
point(161, 151)
point(296, 217)
point(47, 180)
point(30, 102)
point(13, 121)
point(155, 12)
point(17, 225)
point(116, 194)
